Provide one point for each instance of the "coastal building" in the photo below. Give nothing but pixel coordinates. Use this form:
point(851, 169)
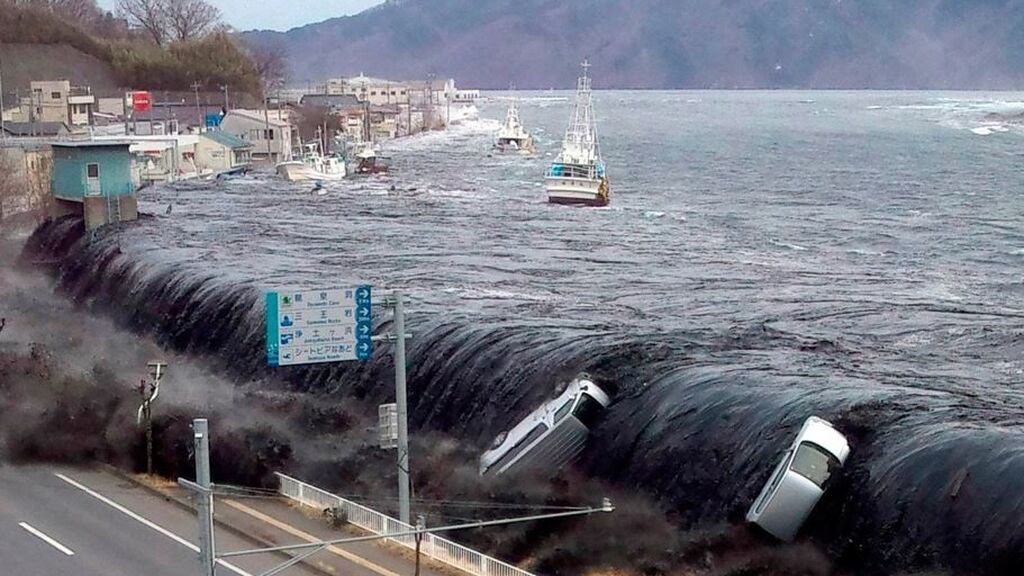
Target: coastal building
point(376, 91)
point(269, 134)
point(219, 152)
point(466, 96)
point(333, 102)
point(94, 179)
point(365, 123)
point(58, 101)
point(432, 92)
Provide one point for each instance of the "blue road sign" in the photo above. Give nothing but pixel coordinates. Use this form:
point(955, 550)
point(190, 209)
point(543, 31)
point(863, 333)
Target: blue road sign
point(313, 326)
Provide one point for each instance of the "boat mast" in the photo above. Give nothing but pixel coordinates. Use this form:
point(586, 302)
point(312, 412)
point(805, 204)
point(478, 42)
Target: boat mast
point(580, 144)
point(512, 118)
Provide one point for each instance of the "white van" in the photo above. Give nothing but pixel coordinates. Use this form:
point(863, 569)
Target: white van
point(800, 479)
point(552, 435)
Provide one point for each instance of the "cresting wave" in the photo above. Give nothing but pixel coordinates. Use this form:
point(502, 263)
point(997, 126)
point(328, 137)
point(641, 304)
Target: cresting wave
point(933, 480)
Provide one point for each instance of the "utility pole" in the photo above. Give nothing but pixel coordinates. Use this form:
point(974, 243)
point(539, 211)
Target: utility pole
point(266, 120)
point(403, 410)
point(199, 113)
point(421, 525)
point(149, 394)
point(396, 303)
point(3, 126)
point(205, 496)
point(227, 106)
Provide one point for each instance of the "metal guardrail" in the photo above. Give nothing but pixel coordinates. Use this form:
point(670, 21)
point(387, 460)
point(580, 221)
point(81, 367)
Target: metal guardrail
point(440, 549)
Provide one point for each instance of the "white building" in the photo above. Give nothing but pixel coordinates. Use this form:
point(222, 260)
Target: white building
point(376, 91)
point(58, 101)
point(270, 136)
point(219, 151)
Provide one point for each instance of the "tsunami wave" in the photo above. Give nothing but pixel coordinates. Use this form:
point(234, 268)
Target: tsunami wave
point(699, 419)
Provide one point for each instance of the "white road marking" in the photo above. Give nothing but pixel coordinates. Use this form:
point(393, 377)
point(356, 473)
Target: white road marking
point(152, 525)
point(47, 539)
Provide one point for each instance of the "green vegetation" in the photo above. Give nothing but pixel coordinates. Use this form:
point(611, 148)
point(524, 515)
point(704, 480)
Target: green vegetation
point(213, 59)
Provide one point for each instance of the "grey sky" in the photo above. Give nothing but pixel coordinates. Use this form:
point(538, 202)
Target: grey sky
point(278, 14)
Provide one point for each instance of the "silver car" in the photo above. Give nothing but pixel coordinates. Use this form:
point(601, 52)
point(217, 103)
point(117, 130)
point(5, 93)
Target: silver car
point(800, 479)
point(552, 435)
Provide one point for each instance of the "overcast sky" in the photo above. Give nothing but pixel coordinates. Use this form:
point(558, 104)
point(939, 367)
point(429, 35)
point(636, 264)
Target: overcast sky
point(278, 14)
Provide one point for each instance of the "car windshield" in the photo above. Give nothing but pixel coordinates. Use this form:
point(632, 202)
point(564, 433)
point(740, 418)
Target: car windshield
point(588, 411)
point(814, 463)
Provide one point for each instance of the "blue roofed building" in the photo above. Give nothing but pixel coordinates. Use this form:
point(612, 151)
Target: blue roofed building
point(94, 179)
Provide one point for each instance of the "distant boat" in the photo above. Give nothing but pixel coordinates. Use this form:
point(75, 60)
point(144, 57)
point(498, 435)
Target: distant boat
point(313, 164)
point(513, 136)
point(577, 175)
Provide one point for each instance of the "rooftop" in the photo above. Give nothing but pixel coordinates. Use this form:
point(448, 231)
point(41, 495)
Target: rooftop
point(259, 116)
point(331, 100)
point(90, 143)
point(229, 140)
point(35, 128)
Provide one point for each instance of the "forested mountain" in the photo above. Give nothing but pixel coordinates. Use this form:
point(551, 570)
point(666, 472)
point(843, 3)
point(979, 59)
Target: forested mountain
point(673, 43)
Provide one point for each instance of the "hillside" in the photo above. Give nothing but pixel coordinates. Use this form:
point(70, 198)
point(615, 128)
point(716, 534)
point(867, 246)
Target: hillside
point(40, 42)
point(23, 63)
point(673, 43)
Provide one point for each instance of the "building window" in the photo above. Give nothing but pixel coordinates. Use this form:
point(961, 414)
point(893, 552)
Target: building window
point(268, 134)
point(55, 95)
point(93, 170)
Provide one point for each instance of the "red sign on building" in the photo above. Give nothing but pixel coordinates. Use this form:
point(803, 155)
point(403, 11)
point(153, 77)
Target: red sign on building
point(141, 101)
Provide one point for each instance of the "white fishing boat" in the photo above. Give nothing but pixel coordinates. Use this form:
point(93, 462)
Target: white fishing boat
point(577, 175)
point(513, 136)
point(313, 164)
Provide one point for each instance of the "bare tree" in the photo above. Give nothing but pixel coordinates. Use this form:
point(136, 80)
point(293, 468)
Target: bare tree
point(272, 63)
point(149, 15)
point(81, 11)
point(188, 19)
point(84, 13)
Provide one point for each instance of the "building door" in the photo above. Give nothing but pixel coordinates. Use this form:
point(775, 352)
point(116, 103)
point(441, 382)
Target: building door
point(92, 180)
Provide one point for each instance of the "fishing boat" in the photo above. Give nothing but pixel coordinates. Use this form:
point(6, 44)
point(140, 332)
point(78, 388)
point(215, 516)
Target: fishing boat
point(513, 136)
point(577, 175)
point(313, 163)
point(368, 162)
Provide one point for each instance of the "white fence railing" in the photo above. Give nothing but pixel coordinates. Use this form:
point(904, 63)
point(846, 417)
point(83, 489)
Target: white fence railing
point(444, 551)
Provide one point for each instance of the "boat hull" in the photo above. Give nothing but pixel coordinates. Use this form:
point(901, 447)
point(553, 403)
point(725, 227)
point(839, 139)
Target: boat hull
point(577, 191)
point(300, 172)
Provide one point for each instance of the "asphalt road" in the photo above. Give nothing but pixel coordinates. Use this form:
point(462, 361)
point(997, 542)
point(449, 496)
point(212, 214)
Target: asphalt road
point(56, 521)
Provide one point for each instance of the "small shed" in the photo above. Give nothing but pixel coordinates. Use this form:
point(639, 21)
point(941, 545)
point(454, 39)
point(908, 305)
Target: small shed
point(94, 179)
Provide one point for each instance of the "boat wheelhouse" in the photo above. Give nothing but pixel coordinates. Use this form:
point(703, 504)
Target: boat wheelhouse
point(513, 136)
